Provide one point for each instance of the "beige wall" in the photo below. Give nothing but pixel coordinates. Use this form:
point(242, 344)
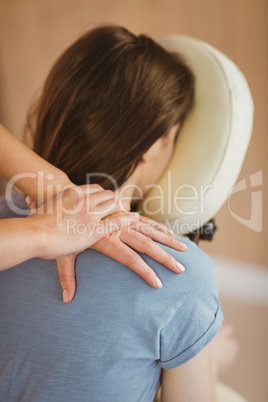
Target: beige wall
point(33, 33)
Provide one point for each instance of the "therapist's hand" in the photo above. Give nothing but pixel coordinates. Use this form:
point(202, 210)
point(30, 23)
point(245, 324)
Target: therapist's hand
point(119, 245)
point(137, 233)
point(141, 236)
point(71, 222)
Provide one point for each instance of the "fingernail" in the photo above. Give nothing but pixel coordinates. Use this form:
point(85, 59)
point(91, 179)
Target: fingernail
point(133, 216)
point(65, 296)
point(170, 231)
point(184, 246)
point(180, 267)
point(158, 283)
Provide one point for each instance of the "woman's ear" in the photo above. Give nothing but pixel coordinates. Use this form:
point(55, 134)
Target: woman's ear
point(144, 158)
point(152, 152)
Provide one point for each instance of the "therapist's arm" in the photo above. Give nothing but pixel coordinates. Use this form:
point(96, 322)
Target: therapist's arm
point(54, 234)
point(191, 382)
point(31, 174)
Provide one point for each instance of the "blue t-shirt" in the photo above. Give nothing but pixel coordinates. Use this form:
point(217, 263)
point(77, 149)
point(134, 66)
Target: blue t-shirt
point(111, 341)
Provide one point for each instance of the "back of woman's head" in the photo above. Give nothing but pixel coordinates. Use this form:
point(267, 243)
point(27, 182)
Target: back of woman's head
point(107, 99)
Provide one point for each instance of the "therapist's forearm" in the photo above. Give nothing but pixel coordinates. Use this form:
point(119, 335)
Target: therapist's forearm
point(20, 240)
point(16, 160)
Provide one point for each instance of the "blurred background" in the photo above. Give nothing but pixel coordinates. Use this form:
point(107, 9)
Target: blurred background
point(34, 33)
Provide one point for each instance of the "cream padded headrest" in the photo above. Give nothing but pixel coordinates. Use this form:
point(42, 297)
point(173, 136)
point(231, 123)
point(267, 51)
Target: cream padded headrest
point(211, 145)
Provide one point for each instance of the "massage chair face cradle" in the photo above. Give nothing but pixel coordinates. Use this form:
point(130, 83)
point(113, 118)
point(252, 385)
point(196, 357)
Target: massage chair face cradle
point(211, 145)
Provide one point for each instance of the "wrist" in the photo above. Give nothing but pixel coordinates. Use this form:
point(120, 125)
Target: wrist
point(40, 237)
point(64, 180)
point(59, 183)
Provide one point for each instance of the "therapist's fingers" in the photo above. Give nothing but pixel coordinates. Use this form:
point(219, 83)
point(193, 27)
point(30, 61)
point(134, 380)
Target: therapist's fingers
point(156, 225)
point(100, 203)
point(99, 197)
point(84, 203)
point(158, 235)
point(31, 204)
point(110, 207)
point(66, 269)
point(66, 264)
point(76, 196)
point(113, 247)
point(114, 224)
point(146, 245)
point(91, 188)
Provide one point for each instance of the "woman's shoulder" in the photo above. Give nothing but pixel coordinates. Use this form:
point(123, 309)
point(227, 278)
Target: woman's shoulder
point(194, 290)
point(193, 313)
point(199, 273)
point(199, 270)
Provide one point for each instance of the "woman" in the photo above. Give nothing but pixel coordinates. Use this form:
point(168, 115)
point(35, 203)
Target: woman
point(114, 102)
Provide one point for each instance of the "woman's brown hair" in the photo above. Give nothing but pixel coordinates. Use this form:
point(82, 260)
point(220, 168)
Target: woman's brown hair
point(107, 99)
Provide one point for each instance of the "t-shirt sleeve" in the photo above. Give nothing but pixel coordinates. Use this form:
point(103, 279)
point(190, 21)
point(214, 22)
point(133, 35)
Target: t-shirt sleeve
point(193, 325)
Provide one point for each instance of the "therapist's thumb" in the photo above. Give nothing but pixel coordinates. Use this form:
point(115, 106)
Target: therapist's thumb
point(67, 276)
